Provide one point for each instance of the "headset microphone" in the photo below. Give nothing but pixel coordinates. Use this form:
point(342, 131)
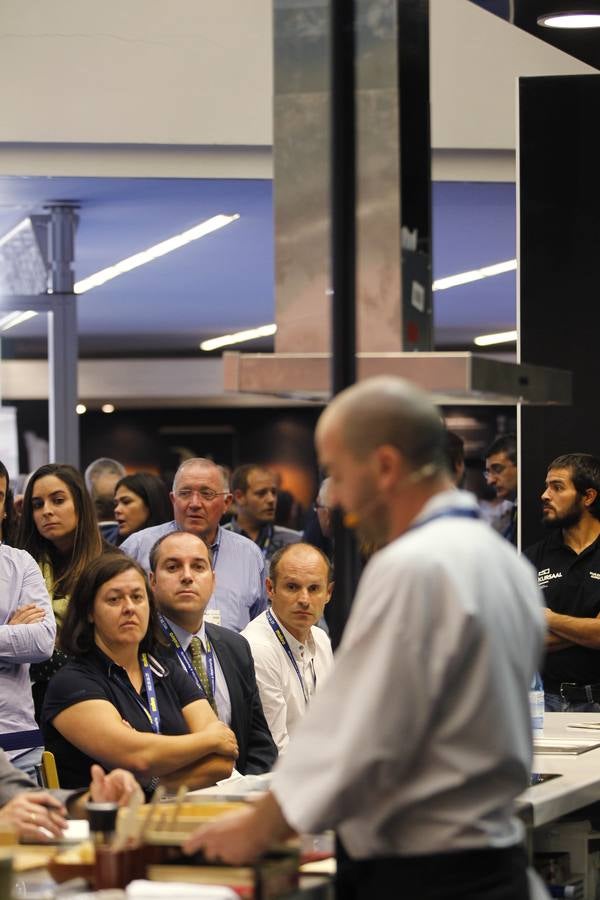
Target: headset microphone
point(353, 519)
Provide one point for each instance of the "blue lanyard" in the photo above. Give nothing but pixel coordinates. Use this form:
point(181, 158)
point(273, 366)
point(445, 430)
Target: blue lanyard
point(186, 662)
point(454, 512)
point(215, 552)
point(286, 647)
point(152, 714)
point(264, 547)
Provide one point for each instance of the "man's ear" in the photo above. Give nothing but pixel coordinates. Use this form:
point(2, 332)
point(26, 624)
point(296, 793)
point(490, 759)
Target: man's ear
point(228, 499)
point(270, 587)
point(590, 496)
point(330, 588)
point(152, 580)
point(390, 465)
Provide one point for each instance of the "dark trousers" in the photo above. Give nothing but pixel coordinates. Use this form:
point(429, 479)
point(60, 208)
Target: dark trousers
point(464, 875)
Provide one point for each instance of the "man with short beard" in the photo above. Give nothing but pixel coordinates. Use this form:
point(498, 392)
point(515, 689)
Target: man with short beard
point(419, 742)
point(568, 566)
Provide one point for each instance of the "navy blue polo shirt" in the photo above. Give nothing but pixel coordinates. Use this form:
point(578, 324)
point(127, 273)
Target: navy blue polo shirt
point(570, 583)
point(95, 676)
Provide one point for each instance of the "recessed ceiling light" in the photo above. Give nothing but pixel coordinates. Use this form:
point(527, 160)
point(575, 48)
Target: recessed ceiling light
point(585, 18)
point(108, 408)
point(80, 409)
point(501, 337)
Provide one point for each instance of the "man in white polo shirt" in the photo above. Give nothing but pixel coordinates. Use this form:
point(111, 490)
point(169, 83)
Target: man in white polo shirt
point(292, 657)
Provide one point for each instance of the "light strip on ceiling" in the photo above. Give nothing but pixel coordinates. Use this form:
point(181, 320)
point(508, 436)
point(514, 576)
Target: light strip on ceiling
point(15, 318)
point(239, 337)
point(146, 256)
point(14, 232)
point(442, 284)
point(501, 337)
point(583, 19)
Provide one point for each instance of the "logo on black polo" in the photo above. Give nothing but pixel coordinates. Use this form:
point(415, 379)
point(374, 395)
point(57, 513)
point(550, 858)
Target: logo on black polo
point(545, 575)
point(595, 576)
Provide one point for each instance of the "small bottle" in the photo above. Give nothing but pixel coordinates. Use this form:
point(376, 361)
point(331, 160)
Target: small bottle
point(536, 704)
point(103, 819)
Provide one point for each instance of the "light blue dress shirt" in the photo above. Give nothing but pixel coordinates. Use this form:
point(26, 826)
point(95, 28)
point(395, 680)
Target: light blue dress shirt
point(239, 594)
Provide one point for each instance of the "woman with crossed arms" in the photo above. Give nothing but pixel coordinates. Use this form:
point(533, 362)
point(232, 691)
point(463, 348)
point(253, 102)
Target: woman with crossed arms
point(114, 703)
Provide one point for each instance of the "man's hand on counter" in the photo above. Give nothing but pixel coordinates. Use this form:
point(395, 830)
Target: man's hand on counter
point(241, 837)
point(116, 787)
point(35, 816)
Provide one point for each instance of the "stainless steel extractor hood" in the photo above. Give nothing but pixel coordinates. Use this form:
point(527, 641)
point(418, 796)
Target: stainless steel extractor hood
point(392, 262)
point(450, 377)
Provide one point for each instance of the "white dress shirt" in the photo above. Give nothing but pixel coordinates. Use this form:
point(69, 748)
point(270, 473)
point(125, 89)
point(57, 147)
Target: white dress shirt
point(421, 739)
point(222, 698)
point(281, 693)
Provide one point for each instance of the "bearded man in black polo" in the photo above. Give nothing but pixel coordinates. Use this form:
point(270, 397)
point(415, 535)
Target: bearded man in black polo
point(568, 566)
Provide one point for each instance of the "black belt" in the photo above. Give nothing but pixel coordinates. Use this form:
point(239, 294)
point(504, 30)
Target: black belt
point(21, 740)
point(569, 690)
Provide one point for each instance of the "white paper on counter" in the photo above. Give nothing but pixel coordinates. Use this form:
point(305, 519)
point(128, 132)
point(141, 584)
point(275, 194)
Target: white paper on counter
point(148, 890)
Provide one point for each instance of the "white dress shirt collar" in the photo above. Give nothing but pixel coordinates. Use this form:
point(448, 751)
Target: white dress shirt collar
point(294, 644)
point(185, 638)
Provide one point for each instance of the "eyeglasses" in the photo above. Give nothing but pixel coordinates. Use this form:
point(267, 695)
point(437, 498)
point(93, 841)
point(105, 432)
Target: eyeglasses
point(496, 469)
point(207, 494)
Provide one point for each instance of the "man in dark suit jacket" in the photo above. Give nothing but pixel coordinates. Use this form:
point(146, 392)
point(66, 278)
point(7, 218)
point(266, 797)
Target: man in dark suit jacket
point(219, 660)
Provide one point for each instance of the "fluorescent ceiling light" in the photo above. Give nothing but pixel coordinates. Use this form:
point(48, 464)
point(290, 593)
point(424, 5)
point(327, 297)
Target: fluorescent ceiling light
point(501, 337)
point(442, 284)
point(239, 337)
point(582, 19)
point(15, 318)
point(146, 256)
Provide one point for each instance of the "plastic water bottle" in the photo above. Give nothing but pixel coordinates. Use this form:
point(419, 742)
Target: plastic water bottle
point(536, 704)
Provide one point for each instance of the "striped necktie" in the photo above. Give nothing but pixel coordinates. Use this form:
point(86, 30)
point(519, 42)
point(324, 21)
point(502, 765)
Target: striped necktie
point(198, 664)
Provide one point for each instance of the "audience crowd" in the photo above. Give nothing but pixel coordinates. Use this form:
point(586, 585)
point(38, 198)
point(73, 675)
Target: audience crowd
point(181, 635)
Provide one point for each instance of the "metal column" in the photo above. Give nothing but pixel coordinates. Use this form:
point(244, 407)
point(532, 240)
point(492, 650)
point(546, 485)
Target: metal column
point(62, 337)
point(343, 271)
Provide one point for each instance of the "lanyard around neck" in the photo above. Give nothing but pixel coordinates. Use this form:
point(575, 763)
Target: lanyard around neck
point(186, 662)
point(455, 512)
point(287, 649)
point(151, 711)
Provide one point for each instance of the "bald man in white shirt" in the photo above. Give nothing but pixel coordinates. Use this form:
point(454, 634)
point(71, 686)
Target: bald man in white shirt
point(292, 657)
point(420, 741)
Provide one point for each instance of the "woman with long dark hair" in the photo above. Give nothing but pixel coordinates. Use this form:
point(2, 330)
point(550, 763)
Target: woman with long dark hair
point(141, 500)
point(115, 703)
point(59, 529)
point(7, 512)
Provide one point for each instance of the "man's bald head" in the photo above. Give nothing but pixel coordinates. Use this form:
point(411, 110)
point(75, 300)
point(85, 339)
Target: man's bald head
point(201, 462)
point(388, 411)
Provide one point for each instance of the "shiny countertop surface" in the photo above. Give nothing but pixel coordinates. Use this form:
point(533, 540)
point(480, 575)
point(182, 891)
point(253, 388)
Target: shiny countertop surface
point(579, 784)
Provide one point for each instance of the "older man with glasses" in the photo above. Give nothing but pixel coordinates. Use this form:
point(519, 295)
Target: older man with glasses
point(200, 497)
